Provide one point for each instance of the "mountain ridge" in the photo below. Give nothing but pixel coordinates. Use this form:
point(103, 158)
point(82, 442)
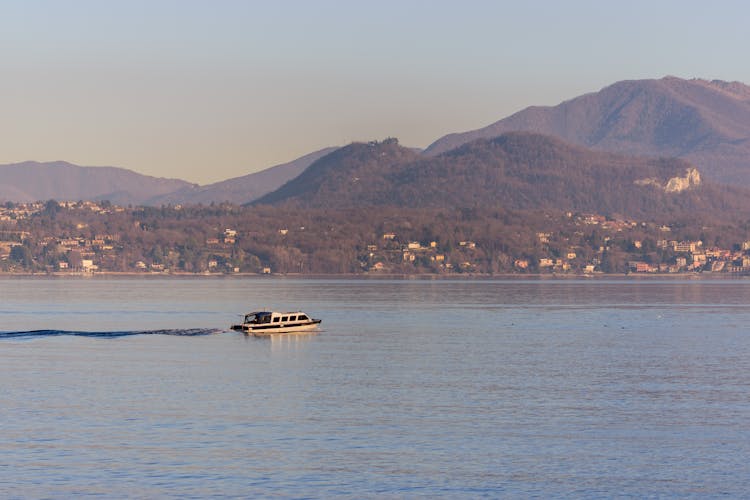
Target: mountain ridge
point(516, 171)
point(705, 122)
point(32, 181)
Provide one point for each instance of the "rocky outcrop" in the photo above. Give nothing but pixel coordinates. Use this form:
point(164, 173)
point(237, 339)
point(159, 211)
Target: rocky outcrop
point(678, 184)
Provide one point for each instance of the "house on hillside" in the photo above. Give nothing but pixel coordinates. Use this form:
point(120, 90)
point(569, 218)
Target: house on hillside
point(521, 264)
point(378, 266)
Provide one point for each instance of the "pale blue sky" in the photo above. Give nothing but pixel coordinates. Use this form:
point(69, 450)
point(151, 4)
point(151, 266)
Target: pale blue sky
point(208, 90)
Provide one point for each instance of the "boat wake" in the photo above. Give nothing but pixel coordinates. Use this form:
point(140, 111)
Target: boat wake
point(189, 332)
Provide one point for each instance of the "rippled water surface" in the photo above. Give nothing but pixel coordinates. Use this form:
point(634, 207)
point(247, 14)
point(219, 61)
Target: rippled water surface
point(591, 388)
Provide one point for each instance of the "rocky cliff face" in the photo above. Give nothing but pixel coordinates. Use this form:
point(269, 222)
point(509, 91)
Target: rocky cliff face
point(677, 184)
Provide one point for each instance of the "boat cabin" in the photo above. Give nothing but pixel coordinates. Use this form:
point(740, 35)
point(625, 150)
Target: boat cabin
point(269, 317)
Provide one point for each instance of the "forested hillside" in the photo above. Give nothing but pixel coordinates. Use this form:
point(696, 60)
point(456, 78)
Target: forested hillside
point(518, 171)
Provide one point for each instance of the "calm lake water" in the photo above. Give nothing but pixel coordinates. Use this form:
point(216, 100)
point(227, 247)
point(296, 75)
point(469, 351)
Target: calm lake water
point(589, 388)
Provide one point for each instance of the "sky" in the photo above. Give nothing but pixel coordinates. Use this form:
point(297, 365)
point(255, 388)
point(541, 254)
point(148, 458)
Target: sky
point(209, 90)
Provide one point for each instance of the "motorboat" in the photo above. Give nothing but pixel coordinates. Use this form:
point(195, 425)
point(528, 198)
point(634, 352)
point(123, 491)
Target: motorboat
point(269, 322)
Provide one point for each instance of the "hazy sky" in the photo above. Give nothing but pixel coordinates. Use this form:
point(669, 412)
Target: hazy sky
point(208, 90)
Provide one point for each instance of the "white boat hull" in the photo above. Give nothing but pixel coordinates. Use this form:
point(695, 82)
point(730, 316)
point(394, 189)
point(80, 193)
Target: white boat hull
point(255, 330)
point(270, 329)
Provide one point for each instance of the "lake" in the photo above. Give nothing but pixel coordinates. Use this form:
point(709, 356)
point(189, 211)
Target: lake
point(412, 388)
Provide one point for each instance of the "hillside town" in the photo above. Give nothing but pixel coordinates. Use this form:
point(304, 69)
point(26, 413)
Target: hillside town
point(87, 237)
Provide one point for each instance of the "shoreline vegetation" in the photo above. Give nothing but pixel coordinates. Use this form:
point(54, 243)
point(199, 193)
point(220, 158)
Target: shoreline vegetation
point(100, 239)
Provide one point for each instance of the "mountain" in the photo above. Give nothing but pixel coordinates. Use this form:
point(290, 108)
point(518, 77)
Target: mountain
point(343, 176)
point(241, 189)
point(704, 122)
point(517, 170)
point(33, 181)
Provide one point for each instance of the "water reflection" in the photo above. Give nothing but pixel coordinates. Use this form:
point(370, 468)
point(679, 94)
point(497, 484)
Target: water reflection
point(283, 342)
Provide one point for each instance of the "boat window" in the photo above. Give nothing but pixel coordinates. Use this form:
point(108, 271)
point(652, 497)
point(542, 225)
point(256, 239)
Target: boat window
point(265, 319)
point(292, 318)
point(276, 319)
point(285, 318)
point(302, 317)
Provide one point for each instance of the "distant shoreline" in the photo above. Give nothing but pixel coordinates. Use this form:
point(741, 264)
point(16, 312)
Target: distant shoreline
point(379, 276)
